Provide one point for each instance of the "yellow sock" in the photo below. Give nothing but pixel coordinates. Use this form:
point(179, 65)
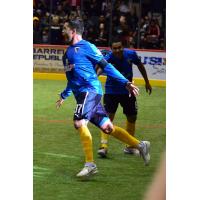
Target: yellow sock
point(124, 136)
point(86, 140)
point(104, 140)
point(130, 127)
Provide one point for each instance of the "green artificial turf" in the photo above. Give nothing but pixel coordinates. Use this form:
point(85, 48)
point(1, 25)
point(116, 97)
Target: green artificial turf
point(58, 154)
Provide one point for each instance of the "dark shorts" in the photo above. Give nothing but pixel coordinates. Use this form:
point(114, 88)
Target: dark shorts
point(129, 104)
point(89, 107)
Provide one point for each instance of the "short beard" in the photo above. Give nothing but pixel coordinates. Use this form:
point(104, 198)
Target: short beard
point(68, 41)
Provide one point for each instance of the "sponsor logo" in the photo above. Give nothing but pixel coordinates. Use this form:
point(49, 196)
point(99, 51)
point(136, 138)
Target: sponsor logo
point(153, 60)
point(76, 49)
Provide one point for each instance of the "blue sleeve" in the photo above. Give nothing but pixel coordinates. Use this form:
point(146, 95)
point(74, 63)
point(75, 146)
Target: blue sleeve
point(106, 54)
point(94, 54)
point(135, 59)
point(67, 92)
point(111, 71)
point(107, 57)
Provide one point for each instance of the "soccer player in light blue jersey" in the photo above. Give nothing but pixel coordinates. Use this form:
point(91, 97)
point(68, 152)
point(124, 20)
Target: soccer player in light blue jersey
point(79, 61)
point(122, 59)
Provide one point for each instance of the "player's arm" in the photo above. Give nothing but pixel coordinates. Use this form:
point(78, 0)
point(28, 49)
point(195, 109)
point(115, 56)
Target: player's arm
point(144, 74)
point(97, 58)
point(63, 95)
point(107, 55)
point(98, 70)
point(67, 92)
point(111, 71)
point(139, 64)
point(101, 64)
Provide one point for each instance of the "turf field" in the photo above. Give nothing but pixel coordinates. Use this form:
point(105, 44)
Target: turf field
point(58, 153)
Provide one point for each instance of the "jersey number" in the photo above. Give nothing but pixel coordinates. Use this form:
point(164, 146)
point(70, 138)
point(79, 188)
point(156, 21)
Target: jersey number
point(78, 109)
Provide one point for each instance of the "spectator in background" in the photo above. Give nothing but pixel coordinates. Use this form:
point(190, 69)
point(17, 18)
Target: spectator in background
point(91, 34)
point(133, 19)
point(123, 8)
point(93, 13)
point(108, 10)
point(101, 19)
point(123, 30)
point(66, 6)
point(45, 36)
point(162, 44)
point(78, 11)
point(37, 32)
point(45, 20)
point(94, 8)
point(87, 21)
point(75, 3)
point(144, 24)
point(102, 36)
point(56, 31)
point(60, 11)
point(162, 39)
point(153, 34)
point(72, 15)
point(40, 4)
point(132, 40)
point(104, 20)
point(104, 7)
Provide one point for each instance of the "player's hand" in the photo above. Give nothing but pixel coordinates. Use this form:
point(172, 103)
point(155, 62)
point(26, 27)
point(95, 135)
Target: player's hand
point(132, 89)
point(59, 102)
point(98, 70)
point(148, 88)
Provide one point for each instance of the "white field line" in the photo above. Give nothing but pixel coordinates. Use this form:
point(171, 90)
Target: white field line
point(59, 155)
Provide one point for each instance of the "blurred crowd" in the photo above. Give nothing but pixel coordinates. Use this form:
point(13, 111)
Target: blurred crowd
point(50, 15)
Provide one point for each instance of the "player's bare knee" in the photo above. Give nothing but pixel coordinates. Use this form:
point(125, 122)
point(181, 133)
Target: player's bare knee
point(79, 123)
point(107, 128)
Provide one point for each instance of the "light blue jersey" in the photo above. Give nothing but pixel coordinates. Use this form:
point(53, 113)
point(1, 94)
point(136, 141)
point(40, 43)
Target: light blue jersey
point(79, 63)
point(124, 66)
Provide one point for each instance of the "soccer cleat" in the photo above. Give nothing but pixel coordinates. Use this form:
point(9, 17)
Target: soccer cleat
point(87, 171)
point(102, 152)
point(132, 151)
point(144, 148)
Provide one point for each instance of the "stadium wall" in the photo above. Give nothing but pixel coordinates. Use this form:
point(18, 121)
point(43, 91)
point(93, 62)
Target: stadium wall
point(47, 64)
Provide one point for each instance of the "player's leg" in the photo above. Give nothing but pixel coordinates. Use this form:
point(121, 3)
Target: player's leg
point(101, 120)
point(103, 150)
point(130, 124)
point(110, 104)
point(124, 136)
point(130, 109)
point(130, 128)
point(105, 137)
point(86, 140)
point(81, 117)
point(129, 105)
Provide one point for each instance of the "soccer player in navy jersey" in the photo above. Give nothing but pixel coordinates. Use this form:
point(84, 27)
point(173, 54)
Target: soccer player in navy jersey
point(79, 61)
point(115, 94)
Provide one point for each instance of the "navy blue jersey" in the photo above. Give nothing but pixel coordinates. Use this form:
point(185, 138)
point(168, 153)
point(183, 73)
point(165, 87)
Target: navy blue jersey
point(79, 63)
point(124, 66)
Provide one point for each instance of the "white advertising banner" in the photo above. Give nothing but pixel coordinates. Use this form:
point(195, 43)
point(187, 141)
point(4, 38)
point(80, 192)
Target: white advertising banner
point(154, 62)
point(49, 58)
